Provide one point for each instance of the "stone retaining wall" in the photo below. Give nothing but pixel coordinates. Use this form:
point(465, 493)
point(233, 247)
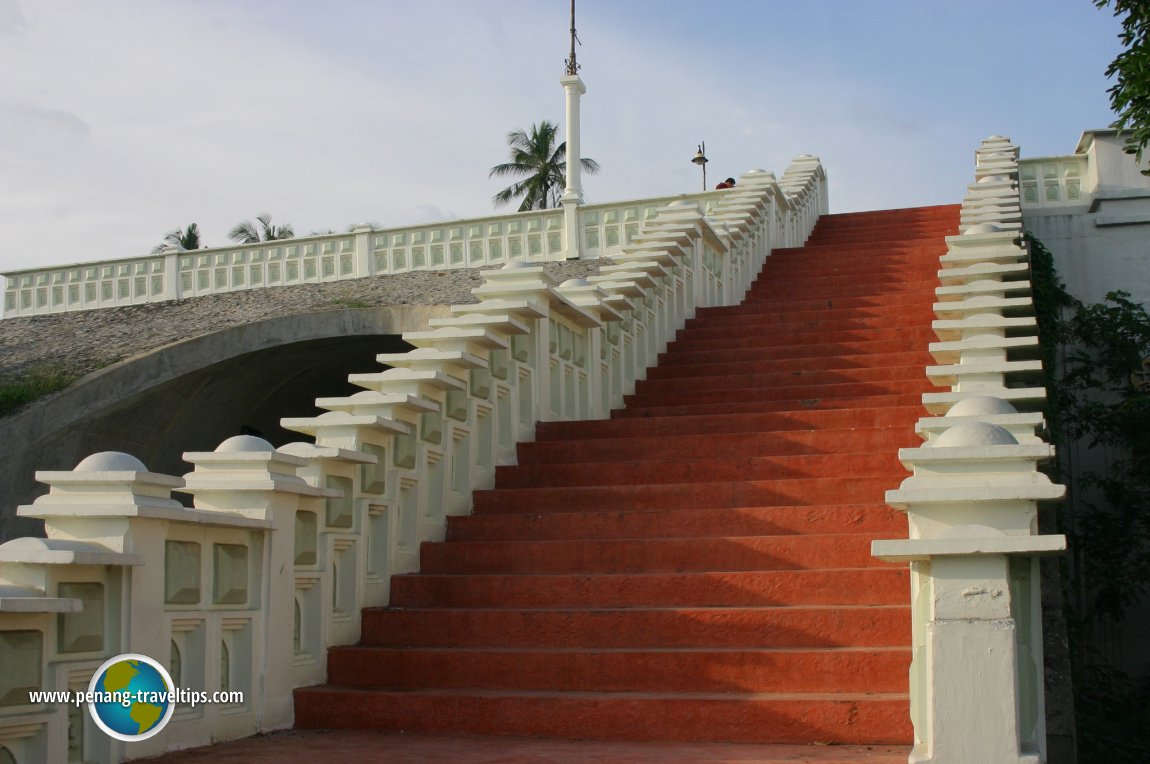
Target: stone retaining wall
point(83, 341)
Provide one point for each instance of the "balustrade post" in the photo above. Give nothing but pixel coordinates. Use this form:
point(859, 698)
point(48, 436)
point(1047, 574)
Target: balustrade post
point(245, 477)
point(68, 601)
point(364, 260)
point(111, 500)
point(594, 299)
point(171, 274)
point(977, 660)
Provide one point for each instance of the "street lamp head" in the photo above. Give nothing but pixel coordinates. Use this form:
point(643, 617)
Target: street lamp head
point(700, 158)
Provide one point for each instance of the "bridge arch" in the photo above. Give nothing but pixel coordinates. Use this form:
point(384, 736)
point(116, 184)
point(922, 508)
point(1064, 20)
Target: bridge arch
point(190, 395)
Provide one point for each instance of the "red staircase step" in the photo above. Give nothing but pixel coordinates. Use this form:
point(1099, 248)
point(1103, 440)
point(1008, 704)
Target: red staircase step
point(703, 446)
point(703, 470)
point(917, 358)
point(785, 718)
point(827, 323)
point(794, 392)
point(749, 377)
point(801, 419)
point(624, 628)
point(875, 519)
point(866, 670)
point(648, 555)
point(760, 493)
point(843, 352)
point(774, 313)
point(808, 337)
point(840, 586)
point(817, 400)
point(781, 302)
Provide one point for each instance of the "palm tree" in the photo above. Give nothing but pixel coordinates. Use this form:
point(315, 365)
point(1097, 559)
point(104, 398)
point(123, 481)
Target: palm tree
point(245, 232)
point(535, 155)
point(188, 238)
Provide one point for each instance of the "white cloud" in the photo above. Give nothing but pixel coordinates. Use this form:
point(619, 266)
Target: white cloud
point(120, 121)
point(12, 20)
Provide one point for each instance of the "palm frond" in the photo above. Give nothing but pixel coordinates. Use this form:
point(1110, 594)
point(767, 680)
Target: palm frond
point(188, 238)
point(276, 233)
point(244, 232)
point(265, 221)
point(533, 154)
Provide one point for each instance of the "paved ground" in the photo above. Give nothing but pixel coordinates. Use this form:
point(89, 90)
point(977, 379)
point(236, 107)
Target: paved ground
point(308, 747)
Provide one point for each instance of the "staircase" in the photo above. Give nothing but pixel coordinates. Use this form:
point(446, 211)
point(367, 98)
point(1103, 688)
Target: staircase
point(697, 567)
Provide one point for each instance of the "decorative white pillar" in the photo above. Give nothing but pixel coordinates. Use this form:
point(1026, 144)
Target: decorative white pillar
point(573, 194)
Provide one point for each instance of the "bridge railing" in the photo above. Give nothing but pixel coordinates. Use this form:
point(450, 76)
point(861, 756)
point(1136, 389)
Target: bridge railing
point(487, 242)
point(246, 591)
point(1055, 181)
point(976, 678)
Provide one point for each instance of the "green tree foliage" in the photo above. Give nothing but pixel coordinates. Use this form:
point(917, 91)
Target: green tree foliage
point(1107, 398)
point(246, 232)
point(1098, 392)
point(181, 239)
point(1130, 94)
point(542, 164)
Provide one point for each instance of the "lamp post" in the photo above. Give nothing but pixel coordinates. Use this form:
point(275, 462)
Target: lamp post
point(572, 197)
point(701, 160)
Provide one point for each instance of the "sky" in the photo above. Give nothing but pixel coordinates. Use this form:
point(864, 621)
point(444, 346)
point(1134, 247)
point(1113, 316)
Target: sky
point(122, 120)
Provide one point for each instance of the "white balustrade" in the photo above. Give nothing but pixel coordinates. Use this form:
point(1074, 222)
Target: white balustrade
point(246, 590)
point(976, 678)
point(536, 236)
point(1055, 181)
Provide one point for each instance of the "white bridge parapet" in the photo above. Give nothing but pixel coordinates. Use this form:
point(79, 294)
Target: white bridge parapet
point(976, 678)
point(535, 237)
point(248, 589)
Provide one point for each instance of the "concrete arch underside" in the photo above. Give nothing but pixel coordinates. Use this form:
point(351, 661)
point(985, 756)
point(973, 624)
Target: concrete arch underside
point(190, 395)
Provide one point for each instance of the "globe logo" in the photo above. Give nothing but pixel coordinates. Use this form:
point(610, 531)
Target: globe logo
point(133, 697)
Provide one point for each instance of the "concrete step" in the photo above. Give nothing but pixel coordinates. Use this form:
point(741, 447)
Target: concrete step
point(818, 400)
point(694, 468)
point(804, 418)
point(770, 313)
point(747, 493)
point(770, 393)
point(877, 519)
point(400, 747)
point(801, 287)
point(854, 670)
point(639, 628)
point(807, 337)
point(769, 303)
point(752, 588)
point(828, 326)
point(841, 352)
point(649, 555)
point(752, 378)
point(803, 364)
point(732, 717)
point(892, 269)
point(687, 447)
